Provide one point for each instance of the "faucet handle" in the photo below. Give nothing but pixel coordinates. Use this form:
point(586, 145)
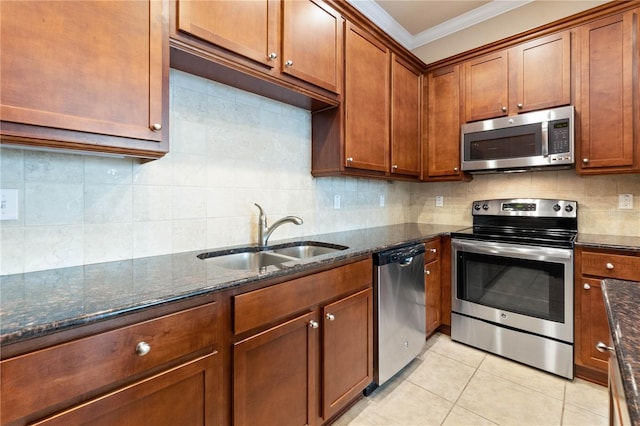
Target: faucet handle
point(260, 208)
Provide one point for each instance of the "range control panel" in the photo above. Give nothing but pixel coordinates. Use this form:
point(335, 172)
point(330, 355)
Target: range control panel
point(534, 207)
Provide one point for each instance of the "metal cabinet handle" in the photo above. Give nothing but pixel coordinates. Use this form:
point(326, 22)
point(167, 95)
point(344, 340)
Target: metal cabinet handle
point(609, 266)
point(142, 348)
point(504, 109)
point(314, 324)
point(455, 169)
point(272, 56)
point(433, 250)
point(586, 286)
point(394, 167)
point(331, 317)
point(602, 347)
point(349, 159)
point(519, 106)
point(289, 63)
point(585, 160)
point(156, 127)
point(427, 272)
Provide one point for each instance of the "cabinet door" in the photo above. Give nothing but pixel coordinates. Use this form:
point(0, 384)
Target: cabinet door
point(312, 35)
point(183, 395)
point(366, 101)
point(94, 67)
point(609, 57)
point(248, 28)
point(594, 327)
point(486, 83)
point(540, 73)
point(405, 118)
point(274, 375)
point(443, 124)
point(347, 350)
point(432, 294)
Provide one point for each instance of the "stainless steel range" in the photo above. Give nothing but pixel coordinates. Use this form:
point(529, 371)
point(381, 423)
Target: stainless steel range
point(512, 281)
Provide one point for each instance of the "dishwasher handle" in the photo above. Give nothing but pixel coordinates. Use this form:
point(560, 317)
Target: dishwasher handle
point(403, 255)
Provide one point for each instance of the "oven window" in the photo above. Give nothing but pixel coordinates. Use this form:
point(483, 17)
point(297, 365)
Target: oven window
point(528, 287)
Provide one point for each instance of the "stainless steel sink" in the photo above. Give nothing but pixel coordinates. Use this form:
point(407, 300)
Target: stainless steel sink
point(245, 260)
point(308, 249)
point(249, 258)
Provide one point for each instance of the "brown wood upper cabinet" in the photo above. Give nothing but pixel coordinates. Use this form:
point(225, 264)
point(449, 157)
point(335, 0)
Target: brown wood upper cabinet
point(85, 76)
point(608, 95)
point(367, 105)
point(375, 132)
point(441, 152)
point(405, 118)
point(527, 77)
point(302, 39)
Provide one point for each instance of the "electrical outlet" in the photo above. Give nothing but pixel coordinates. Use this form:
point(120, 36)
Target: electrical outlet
point(439, 201)
point(381, 200)
point(8, 204)
point(625, 201)
point(336, 202)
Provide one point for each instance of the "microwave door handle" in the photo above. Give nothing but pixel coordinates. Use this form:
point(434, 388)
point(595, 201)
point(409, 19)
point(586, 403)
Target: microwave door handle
point(545, 139)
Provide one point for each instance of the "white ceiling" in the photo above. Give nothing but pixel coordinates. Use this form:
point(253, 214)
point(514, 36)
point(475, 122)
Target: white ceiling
point(418, 23)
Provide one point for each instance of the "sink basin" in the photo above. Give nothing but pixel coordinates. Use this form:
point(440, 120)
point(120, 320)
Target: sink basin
point(306, 249)
point(248, 258)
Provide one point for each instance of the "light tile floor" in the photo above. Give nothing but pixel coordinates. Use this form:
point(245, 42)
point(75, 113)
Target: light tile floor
point(452, 384)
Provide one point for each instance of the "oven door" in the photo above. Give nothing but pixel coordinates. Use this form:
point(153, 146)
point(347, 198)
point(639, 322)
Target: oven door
point(528, 288)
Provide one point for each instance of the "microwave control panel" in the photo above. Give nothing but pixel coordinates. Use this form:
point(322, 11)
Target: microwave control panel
point(559, 137)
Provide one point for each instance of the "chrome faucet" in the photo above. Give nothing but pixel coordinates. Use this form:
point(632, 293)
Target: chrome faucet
point(265, 231)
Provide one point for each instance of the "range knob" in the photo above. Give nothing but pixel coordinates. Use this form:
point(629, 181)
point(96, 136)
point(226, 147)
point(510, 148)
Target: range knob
point(485, 206)
point(476, 206)
point(568, 208)
point(556, 207)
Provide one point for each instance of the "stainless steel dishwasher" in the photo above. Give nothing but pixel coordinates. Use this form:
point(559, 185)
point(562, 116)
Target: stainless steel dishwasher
point(399, 311)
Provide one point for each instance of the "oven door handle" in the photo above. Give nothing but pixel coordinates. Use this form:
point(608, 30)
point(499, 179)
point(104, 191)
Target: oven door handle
point(512, 250)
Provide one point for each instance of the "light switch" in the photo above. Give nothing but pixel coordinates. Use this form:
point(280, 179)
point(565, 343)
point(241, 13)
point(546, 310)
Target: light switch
point(8, 204)
point(439, 200)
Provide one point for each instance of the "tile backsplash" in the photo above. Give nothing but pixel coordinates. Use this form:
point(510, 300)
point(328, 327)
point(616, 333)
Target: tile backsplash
point(230, 149)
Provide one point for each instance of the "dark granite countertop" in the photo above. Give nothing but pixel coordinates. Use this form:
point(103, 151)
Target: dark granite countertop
point(614, 242)
point(621, 302)
point(35, 304)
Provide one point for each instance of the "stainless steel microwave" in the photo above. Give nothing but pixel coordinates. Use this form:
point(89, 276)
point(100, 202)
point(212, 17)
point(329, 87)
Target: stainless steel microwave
point(532, 141)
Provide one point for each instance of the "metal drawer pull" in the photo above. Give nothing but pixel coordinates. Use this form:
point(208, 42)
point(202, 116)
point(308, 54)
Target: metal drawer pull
point(142, 348)
point(433, 250)
point(586, 286)
point(156, 127)
point(314, 324)
point(331, 317)
point(427, 272)
point(609, 266)
point(602, 347)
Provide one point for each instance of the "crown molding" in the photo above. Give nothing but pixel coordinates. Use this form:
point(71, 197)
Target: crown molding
point(387, 23)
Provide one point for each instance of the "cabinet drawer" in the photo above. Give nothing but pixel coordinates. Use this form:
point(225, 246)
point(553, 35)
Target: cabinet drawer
point(611, 266)
point(432, 250)
point(273, 304)
point(70, 372)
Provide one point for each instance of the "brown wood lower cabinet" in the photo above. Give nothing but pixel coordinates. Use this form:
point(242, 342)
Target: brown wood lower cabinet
point(347, 348)
point(591, 326)
point(432, 284)
point(165, 370)
point(274, 374)
point(310, 365)
point(180, 396)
